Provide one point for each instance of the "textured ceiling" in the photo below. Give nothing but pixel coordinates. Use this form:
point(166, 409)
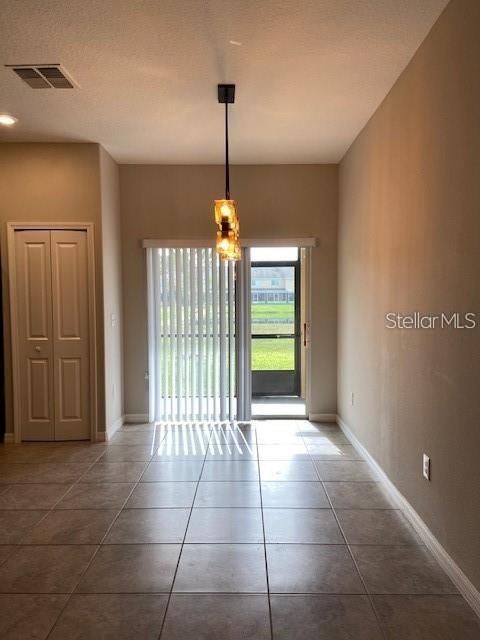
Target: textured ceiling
point(309, 73)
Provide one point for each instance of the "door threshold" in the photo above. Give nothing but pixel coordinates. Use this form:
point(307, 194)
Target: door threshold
point(280, 407)
point(279, 417)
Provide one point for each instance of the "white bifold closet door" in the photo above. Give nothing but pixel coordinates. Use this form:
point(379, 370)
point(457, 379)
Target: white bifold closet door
point(51, 293)
point(192, 350)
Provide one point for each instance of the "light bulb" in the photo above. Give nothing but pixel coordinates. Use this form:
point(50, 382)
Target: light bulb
point(7, 120)
point(225, 211)
point(224, 244)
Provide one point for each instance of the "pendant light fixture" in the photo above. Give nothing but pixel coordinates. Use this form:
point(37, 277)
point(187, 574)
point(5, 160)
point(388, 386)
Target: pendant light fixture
point(228, 242)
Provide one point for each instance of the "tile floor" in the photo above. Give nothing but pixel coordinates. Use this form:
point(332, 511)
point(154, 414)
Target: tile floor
point(274, 531)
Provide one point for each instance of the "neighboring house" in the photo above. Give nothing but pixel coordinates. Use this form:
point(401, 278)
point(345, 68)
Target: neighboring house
point(270, 284)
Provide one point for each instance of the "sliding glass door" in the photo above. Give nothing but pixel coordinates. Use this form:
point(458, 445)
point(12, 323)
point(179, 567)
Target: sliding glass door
point(221, 332)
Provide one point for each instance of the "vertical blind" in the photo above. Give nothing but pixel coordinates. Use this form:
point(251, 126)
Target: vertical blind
point(191, 335)
point(243, 334)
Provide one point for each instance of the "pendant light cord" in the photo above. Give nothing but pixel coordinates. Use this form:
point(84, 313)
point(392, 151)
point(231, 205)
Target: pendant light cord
point(227, 165)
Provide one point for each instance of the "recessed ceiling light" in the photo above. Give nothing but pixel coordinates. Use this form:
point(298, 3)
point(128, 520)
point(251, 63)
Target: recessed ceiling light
point(236, 43)
point(6, 120)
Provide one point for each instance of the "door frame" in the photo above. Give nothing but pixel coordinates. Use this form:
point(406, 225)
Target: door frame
point(306, 309)
point(89, 227)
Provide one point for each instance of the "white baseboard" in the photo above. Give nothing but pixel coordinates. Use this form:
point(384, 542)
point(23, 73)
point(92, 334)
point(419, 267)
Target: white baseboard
point(9, 438)
point(114, 427)
point(135, 418)
point(451, 568)
point(322, 417)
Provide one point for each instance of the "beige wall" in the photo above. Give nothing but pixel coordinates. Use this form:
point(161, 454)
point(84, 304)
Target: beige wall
point(112, 289)
point(50, 183)
point(274, 202)
point(409, 239)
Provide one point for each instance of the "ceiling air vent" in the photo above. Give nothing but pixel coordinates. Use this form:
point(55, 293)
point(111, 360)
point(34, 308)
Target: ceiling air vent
point(39, 76)
point(55, 77)
point(32, 78)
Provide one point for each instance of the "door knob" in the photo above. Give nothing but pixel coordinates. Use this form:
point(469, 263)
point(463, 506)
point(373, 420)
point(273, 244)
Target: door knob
point(37, 349)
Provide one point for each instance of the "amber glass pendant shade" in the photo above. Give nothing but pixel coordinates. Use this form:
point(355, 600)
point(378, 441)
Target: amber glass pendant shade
point(228, 244)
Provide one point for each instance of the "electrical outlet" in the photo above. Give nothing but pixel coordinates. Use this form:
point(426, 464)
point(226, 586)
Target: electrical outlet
point(426, 467)
point(352, 399)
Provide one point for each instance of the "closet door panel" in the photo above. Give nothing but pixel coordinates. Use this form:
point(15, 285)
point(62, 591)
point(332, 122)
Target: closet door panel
point(34, 334)
point(70, 334)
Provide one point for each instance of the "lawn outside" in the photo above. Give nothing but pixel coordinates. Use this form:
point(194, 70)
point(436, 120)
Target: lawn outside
point(273, 354)
point(268, 354)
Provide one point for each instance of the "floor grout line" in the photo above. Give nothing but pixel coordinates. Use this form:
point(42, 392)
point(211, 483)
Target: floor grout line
point(311, 458)
point(264, 544)
point(377, 618)
point(184, 538)
point(356, 565)
point(52, 508)
point(94, 555)
point(143, 544)
point(233, 593)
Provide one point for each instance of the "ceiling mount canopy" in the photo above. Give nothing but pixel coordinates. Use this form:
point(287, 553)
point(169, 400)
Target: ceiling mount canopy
point(226, 217)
